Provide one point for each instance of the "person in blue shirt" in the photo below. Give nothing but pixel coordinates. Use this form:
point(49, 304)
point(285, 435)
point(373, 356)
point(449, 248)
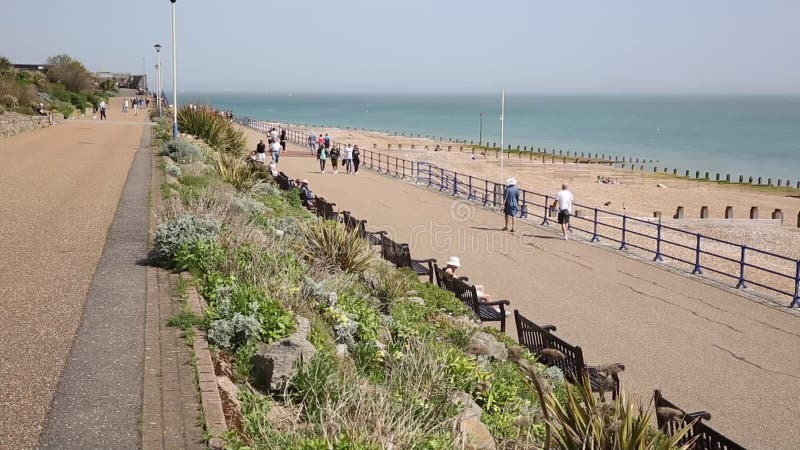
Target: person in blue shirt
point(510, 202)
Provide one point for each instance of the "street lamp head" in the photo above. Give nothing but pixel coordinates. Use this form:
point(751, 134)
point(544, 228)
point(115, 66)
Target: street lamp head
point(158, 47)
point(172, 1)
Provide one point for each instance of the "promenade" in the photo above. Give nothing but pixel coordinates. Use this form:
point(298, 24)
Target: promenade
point(75, 205)
point(705, 347)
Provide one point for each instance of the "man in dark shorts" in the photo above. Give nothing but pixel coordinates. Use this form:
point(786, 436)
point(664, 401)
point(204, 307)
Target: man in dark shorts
point(510, 202)
point(563, 201)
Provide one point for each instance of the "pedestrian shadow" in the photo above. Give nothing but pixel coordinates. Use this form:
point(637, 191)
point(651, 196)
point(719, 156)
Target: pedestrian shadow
point(487, 228)
point(540, 236)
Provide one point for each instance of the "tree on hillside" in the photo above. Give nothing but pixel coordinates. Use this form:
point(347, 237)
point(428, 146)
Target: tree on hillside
point(70, 72)
point(5, 65)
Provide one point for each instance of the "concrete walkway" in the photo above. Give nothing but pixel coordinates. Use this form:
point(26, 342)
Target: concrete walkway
point(59, 190)
point(703, 346)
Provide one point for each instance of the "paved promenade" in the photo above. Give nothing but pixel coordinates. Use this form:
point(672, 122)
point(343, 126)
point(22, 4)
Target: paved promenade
point(75, 205)
point(705, 347)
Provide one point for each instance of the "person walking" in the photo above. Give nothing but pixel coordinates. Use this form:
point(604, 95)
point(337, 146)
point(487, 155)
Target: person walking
point(275, 149)
point(261, 152)
point(125, 107)
point(323, 156)
point(510, 203)
point(102, 107)
point(348, 158)
point(335, 153)
point(283, 140)
point(563, 201)
point(312, 143)
point(327, 141)
point(356, 159)
point(135, 107)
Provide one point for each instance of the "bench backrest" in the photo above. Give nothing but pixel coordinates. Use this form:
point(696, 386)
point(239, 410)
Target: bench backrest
point(391, 250)
point(535, 339)
point(284, 182)
point(707, 438)
point(441, 277)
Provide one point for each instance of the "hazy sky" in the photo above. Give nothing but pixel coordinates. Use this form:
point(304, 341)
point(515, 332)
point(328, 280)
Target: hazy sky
point(537, 46)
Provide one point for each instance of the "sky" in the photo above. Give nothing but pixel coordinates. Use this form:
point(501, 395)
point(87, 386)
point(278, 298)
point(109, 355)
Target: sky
point(426, 46)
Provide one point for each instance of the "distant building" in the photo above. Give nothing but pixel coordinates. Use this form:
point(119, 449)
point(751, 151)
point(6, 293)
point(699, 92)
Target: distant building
point(124, 80)
point(32, 67)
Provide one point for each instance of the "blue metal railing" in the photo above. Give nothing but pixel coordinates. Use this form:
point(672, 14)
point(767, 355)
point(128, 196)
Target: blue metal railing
point(662, 241)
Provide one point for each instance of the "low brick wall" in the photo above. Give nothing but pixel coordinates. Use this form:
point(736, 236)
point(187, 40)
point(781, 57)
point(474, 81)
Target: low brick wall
point(12, 124)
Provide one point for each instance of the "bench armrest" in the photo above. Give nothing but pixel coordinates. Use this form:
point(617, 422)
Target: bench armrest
point(549, 328)
point(496, 303)
point(704, 415)
point(465, 279)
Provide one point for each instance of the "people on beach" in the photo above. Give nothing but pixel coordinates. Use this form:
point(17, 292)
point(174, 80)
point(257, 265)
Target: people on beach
point(102, 107)
point(334, 154)
point(261, 151)
point(356, 159)
point(510, 203)
point(323, 157)
point(347, 162)
point(563, 201)
point(606, 180)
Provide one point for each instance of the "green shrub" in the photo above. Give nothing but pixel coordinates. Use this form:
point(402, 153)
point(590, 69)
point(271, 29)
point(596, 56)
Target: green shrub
point(183, 230)
point(173, 170)
point(214, 129)
point(330, 245)
point(181, 151)
point(236, 171)
point(67, 110)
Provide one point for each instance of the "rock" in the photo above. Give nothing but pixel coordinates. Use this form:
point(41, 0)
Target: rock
point(412, 293)
point(484, 344)
point(462, 322)
point(273, 364)
point(475, 435)
point(465, 401)
point(283, 417)
point(413, 299)
point(230, 391)
point(216, 443)
point(660, 185)
point(341, 351)
point(472, 433)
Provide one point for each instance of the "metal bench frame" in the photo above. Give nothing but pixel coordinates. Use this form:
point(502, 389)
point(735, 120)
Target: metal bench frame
point(705, 437)
point(400, 256)
point(468, 295)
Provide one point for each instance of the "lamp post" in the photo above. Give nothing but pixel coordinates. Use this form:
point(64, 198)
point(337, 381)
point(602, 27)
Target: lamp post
point(158, 77)
point(480, 136)
point(174, 78)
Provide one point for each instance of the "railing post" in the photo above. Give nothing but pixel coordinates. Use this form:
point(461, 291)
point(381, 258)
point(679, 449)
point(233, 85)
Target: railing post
point(441, 179)
point(429, 175)
point(404, 169)
point(546, 221)
point(623, 245)
point(741, 284)
point(455, 184)
point(471, 194)
point(658, 244)
point(697, 268)
point(395, 167)
point(595, 238)
point(524, 209)
point(796, 298)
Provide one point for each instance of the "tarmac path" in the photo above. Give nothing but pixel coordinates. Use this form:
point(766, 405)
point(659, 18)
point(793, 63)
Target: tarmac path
point(59, 191)
point(705, 347)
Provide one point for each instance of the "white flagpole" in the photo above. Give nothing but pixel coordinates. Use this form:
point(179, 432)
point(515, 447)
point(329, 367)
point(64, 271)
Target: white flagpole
point(502, 133)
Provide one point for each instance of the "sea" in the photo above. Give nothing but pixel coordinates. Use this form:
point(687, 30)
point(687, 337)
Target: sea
point(756, 136)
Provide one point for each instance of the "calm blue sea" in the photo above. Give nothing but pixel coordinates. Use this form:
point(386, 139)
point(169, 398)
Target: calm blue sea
point(747, 135)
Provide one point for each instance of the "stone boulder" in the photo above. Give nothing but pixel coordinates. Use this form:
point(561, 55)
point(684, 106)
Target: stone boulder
point(273, 365)
point(471, 433)
point(484, 344)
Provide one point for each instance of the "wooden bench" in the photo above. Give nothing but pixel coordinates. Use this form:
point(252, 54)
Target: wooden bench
point(670, 419)
point(351, 223)
point(539, 338)
point(400, 256)
point(485, 311)
point(324, 209)
point(284, 182)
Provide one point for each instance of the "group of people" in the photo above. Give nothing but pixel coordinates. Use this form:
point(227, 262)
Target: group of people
point(135, 103)
point(350, 156)
point(607, 180)
point(563, 203)
point(276, 144)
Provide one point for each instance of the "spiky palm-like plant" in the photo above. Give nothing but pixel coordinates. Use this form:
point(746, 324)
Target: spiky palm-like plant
point(241, 175)
point(216, 130)
point(329, 244)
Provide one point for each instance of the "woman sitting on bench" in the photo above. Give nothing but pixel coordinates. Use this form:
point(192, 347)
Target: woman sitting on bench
point(453, 263)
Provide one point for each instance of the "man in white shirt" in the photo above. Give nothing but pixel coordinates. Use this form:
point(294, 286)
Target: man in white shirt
point(275, 150)
point(564, 200)
point(348, 157)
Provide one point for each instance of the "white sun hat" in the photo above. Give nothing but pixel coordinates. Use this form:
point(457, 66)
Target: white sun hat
point(454, 261)
point(303, 181)
point(511, 181)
